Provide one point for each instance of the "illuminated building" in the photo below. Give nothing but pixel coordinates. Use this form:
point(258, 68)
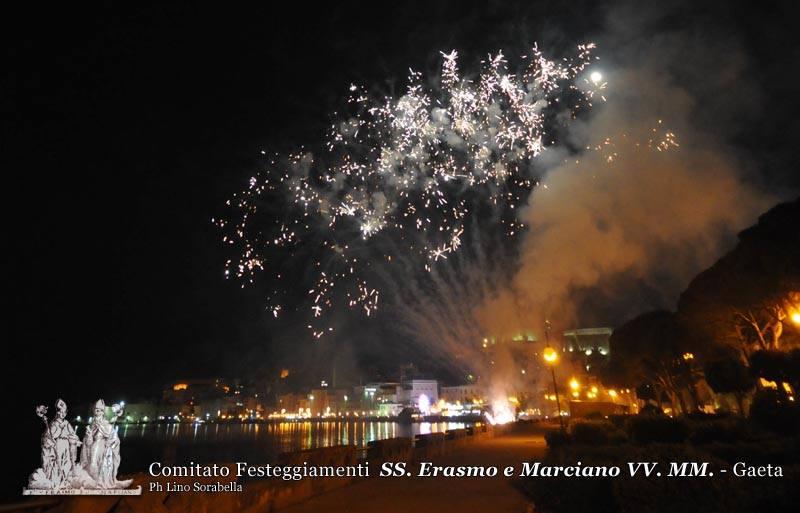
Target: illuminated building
point(207, 399)
point(587, 342)
point(520, 349)
point(195, 390)
point(412, 389)
point(406, 393)
point(372, 395)
point(463, 394)
point(326, 401)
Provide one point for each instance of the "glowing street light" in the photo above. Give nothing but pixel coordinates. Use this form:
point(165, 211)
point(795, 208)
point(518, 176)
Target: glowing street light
point(574, 384)
point(550, 356)
point(795, 317)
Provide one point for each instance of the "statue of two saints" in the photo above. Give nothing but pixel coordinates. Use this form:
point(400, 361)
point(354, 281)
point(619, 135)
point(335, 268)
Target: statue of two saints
point(99, 454)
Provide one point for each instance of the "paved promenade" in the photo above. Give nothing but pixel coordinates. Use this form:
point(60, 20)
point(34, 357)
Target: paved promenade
point(441, 495)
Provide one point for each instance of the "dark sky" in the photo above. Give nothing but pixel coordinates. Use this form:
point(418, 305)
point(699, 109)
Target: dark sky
point(128, 127)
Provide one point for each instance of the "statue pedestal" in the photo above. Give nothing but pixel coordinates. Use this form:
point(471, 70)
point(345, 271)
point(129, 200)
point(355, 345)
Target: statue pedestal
point(83, 491)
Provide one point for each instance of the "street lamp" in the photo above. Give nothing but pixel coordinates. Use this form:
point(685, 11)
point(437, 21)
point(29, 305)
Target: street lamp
point(575, 385)
point(550, 356)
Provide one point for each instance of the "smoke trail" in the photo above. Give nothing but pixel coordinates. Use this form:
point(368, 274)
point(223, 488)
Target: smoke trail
point(434, 308)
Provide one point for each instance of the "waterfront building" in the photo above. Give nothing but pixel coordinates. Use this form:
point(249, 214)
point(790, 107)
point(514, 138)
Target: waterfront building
point(463, 394)
point(590, 346)
point(412, 389)
point(369, 397)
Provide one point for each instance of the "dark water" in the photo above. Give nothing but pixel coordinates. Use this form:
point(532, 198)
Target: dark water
point(219, 443)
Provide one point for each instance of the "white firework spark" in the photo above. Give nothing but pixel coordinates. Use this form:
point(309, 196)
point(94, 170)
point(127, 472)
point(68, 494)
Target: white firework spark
point(411, 168)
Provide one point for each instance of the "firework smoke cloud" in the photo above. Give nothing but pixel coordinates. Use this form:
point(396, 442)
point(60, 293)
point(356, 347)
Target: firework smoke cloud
point(655, 193)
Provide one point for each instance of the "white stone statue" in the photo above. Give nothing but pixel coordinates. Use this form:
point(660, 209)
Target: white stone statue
point(59, 450)
point(61, 473)
point(100, 454)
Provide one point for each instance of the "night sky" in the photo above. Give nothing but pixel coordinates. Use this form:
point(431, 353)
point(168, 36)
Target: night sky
point(129, 128)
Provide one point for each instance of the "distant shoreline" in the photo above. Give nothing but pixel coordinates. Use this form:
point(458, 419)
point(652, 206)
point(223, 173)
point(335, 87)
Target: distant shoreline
point(375, 418)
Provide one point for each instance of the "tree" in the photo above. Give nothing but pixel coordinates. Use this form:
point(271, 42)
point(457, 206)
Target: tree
point(729, 376)
point(778, 366)
point(654, 349)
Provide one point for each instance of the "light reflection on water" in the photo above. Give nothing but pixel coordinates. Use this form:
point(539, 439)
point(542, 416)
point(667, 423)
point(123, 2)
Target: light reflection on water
point(228, 442)
point(286, 435)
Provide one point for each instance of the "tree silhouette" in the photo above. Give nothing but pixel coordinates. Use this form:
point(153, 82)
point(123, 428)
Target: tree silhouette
point(654, 349)
point(729, 376)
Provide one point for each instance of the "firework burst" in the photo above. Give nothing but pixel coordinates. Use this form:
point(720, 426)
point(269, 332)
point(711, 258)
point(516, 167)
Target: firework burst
point(398, 179)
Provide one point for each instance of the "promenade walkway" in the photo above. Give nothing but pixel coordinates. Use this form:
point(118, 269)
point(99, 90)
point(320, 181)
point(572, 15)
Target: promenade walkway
point(439, 494)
